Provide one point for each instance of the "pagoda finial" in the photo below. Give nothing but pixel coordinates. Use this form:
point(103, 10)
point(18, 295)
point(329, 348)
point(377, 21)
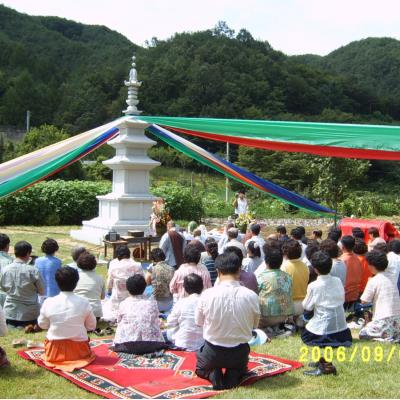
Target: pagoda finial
point(133, 86)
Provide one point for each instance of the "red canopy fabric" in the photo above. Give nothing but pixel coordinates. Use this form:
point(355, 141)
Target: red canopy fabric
point(386, 228)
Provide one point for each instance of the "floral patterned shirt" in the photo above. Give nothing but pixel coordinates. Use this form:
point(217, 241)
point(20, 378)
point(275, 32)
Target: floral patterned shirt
point(161, 275)
point(275, 293)
point(138, 321)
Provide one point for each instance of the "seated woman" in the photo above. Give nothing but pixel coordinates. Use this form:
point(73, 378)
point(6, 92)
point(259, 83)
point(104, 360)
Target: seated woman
point(159, 275)
point(182, 330)
point(47, 266)
point(209, 260)
point(117, 276)
point(275, 291)
point(191, 257)
point(91, 285)
point(325, 297)
point(381, 290)
point(253, 259)
point(138, 330)
point(67, 317)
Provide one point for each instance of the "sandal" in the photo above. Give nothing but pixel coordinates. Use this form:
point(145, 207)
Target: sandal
point(19, 343)
point(98, 332)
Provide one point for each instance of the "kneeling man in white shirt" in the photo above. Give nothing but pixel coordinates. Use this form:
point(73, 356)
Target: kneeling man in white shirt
point(228, 313)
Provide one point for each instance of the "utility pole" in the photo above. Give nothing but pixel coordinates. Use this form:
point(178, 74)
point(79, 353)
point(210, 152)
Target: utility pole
point(28, 121)
point(227, 179)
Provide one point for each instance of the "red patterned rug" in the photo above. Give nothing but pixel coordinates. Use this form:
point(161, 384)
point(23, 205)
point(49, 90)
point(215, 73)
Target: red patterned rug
point(125, 376)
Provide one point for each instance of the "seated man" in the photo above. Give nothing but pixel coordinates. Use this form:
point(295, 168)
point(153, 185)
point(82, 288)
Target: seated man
point(299, 273)
point(3, 332)
point(182, 330)
point(381, 290)
point(228, 313)
point(233, 241)
point(22, 284)
point(325, 297)
point(138, 330)
point(275, 291)
point(67, 317)
point(5, 259)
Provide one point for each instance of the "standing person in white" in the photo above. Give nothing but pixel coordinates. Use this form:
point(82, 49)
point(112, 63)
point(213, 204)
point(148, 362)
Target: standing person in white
point(228, 313)
point(240, 203)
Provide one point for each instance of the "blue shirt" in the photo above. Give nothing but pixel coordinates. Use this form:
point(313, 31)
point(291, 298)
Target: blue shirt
point(47, 266)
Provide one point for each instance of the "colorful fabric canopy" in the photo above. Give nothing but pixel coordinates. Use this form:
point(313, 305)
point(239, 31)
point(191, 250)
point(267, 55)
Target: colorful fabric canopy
point(28, 169)
point(237, 173)
point(379, 142)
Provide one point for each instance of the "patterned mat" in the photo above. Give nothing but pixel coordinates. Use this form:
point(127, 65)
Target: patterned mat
point(126, 376)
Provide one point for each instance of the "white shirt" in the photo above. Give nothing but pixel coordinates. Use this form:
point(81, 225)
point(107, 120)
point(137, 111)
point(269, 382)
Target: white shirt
point(326, 297)
point(187, 334)
point(303, 251)
point(228, 313)
point(373, 243)
point(394, 264)
point(241, 206)
point(339, 270)
point(3, 325)
point(251, 264)
point(91, 286)
point(260, 269)
point(381, 290)
point(67, 316)
point(235, 243)
point(260, 242)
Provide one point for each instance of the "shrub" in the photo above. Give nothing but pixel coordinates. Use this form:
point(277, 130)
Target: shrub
point(53, 203)
point(181, 203)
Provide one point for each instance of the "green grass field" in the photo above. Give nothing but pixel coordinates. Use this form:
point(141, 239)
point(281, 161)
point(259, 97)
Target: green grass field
point(371, 373)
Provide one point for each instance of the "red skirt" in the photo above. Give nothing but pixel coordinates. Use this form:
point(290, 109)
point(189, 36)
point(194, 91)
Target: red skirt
point(67, 355)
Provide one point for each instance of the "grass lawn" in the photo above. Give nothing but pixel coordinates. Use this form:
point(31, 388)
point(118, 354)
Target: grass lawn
point(370, 374)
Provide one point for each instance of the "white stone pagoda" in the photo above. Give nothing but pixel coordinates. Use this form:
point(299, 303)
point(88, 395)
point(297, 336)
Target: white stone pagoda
point(128, 206)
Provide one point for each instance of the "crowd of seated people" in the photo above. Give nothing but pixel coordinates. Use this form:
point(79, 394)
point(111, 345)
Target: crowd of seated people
point(210, 297)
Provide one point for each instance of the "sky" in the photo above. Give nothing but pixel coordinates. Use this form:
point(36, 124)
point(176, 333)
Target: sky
point(292, 26)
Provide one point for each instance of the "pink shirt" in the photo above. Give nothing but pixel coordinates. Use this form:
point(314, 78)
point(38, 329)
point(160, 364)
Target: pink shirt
point(176, 284)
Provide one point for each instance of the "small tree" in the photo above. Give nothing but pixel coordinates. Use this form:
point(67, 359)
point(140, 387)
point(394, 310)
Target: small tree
point(334, 176)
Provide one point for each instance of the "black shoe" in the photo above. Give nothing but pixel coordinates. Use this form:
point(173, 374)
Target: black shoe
point(216, 378)
point(319, 362)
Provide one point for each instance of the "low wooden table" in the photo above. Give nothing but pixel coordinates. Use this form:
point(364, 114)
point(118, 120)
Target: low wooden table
point(144, 242)
point(114, 246)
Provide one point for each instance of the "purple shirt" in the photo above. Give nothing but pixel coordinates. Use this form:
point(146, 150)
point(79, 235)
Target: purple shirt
point(249, 280)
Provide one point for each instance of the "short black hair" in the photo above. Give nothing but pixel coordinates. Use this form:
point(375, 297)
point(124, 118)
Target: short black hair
point(67, 278)
point(87, 261)
point(311, 248)
point(123, 252)
point(292, 249)
point(233, 233)
point(296, 233)
point(335, 234)
point(254, 248)
point(377, 259)
point(228, 263)
point(210, 239)
point(374, 231)
point(193, 283)
point(383, 247)
point(255, 229)
point(348, 242)
point(198, 245)
point(317, 233)
point(242, 191)
point(4, 241)
point(272, 244)
point(235, 250)
point(330, 247)
point(136, 285)
point(281, 229)
point(157, 255)
point(394, 246)
point(273, 258)
point(49, 246)
point(360, 247)
point(191, 254)
point(22, 249)
point(76, 252)
point(357, 232)
point(322, 262)
point(301, 229)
